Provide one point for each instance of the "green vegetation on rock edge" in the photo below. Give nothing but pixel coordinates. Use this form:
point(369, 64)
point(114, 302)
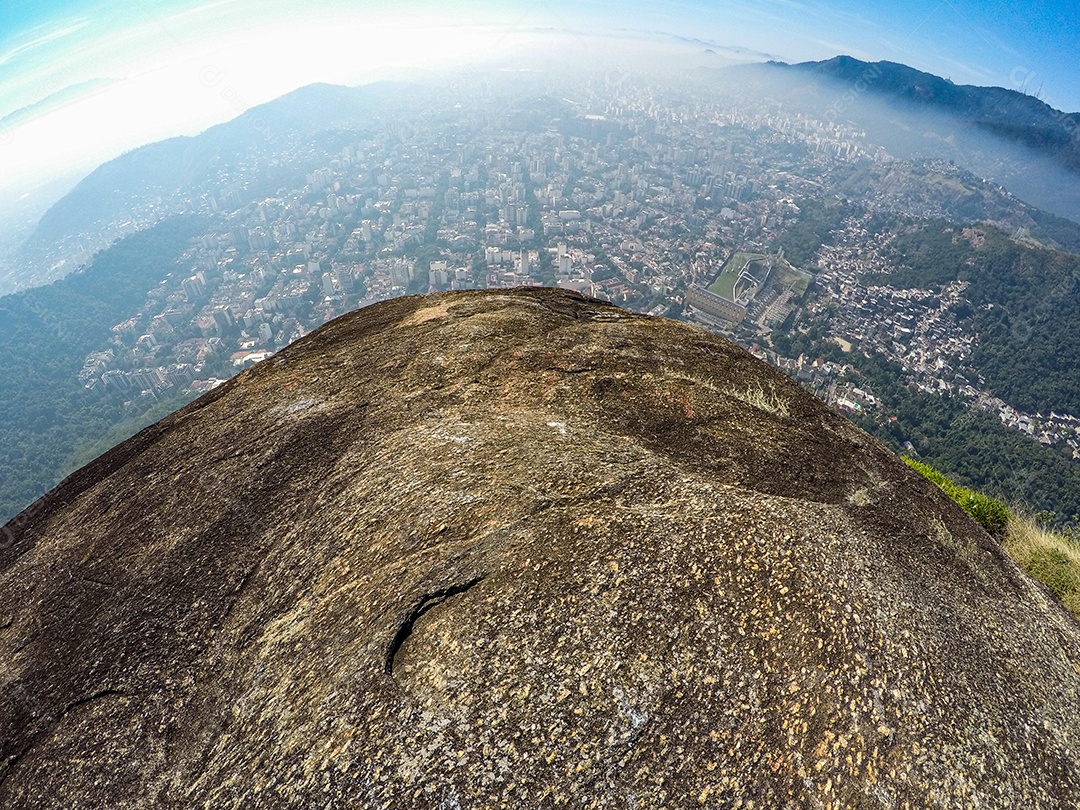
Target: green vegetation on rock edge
point(1051, 557)
point(990, 513)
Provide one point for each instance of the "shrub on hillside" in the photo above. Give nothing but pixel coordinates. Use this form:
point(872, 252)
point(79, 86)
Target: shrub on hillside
point(990, 513)
point(1051, 557)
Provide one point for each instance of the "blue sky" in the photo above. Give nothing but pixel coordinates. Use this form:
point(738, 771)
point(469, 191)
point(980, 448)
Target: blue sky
point(984, 42)
point(93, 78)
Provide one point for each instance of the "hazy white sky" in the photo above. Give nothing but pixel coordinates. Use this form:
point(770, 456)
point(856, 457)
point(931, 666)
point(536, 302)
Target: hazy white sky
point(83, 80)
point(182, 73)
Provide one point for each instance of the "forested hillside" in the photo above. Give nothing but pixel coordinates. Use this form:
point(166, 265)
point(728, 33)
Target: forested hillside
point(1025, 306)
point(974, 447)
point(45, 413)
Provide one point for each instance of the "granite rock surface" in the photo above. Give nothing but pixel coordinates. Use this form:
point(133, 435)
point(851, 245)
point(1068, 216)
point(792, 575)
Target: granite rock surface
point(521, 549)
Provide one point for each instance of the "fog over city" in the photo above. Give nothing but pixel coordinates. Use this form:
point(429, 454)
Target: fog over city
point(84, 81)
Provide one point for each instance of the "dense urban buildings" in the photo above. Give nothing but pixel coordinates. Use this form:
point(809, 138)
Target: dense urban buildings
point(668, 201)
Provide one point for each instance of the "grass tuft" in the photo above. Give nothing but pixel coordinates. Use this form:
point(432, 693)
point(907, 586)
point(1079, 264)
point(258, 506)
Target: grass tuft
point(1051, 558)
point(758, 397)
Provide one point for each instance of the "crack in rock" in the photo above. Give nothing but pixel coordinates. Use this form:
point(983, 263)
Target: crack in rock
point(426, 603)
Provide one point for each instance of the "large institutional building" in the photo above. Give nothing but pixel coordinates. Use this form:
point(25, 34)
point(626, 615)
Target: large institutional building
point(712, 304)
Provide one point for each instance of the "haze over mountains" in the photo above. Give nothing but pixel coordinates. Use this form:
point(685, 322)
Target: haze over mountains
point(1008, 137)
point(1009, 113)
point(149, 183)
point(1034, 150)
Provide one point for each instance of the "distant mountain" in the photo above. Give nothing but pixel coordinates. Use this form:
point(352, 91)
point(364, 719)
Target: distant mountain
point(1012, 139)
point(55, 101)
point(179, 163)
point(148, 181)
point(1007, 113)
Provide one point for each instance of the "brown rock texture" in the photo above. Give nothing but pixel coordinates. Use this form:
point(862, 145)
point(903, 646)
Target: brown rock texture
point(521, 549)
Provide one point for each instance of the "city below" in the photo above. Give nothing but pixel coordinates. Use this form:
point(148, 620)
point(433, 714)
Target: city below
point(671, 203)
